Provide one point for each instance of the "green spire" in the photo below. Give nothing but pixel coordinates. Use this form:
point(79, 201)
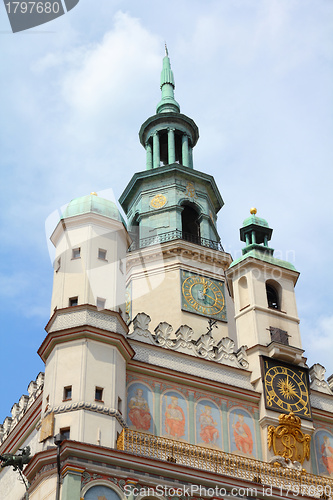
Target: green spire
point(168, 102)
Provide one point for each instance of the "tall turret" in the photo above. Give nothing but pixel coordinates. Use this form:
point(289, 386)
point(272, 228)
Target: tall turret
point(172, 211)
point(85, 350)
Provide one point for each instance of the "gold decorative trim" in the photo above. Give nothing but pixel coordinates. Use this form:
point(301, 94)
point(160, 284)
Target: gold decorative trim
point(201, 458)
point(288, 440)
point(158, 201)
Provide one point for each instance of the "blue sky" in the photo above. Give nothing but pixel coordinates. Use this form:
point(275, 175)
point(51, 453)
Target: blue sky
point(255, 75)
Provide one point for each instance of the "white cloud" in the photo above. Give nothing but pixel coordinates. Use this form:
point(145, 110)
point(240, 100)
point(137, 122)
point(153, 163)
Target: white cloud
point(319, 339)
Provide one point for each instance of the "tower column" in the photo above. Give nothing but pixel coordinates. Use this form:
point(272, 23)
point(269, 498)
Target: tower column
point(185, 155)
point(156, 150)
point(190, 152)
point(171, 145)
point(149, 156)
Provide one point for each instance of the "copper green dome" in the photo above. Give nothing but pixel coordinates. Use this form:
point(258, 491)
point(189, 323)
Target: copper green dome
point(253, 219)
point(93, 204)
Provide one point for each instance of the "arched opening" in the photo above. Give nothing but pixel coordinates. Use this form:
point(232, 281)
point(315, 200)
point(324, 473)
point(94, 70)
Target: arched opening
point(190, 224)
point(163, 137)
point(134, 231)
point(273, 300)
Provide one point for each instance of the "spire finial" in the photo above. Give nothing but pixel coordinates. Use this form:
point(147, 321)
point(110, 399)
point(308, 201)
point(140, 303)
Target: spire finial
point(168, 102)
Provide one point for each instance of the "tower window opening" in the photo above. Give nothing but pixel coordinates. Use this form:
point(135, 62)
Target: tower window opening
point(190, 224)
point(272, 297)
point(76, 253)
point(73, 301)
point(67, 393)
point(98, 394)
point(178, 147)
point(65, 432)
point(278, 335)
point(164, 154)
point(100, 303)
point(58, 265)
point(120, 405)
point(101, 254)
point(134, 230)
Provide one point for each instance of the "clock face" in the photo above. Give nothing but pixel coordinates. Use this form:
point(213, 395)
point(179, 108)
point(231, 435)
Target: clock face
point(203, 295)
point(286, 388)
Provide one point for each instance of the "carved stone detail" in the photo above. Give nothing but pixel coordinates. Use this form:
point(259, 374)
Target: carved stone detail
point(222, 351)
point(162, 333)
point(141, 324)
point(318, 382)
point(184, 336)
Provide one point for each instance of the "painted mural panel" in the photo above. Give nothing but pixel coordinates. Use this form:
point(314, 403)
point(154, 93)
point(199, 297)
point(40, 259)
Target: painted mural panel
point(323, 442)
point(241, 433)
point(140, 408)
point(101, 493)
point(174, 416)
point(208, 425)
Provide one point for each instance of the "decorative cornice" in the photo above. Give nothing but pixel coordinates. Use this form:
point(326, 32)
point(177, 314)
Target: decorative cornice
point(206, 347)
point(273, 312)
point(84, 405)
point(85, 322)
point(86, 314)
point(181, 249)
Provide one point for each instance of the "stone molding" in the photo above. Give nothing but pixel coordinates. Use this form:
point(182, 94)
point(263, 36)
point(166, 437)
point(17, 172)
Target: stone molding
point(178, 248)
point(192, 366)
point(84, 405)
point(206, 347)
point(79, 316)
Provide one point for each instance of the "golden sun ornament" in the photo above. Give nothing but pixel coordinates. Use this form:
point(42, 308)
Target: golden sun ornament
point(287, 388)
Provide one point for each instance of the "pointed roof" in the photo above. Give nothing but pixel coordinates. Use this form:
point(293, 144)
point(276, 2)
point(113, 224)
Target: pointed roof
point(168, 102)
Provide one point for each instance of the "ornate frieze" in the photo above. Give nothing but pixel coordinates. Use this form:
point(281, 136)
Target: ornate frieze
point(222, 351)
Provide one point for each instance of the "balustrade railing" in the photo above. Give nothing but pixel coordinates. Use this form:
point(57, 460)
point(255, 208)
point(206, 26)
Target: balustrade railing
point(297, 482)
point(175, 235)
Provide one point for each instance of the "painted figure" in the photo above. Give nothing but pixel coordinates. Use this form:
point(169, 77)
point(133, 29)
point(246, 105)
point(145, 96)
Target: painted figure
point(174, 419)
point(243, 436)
point(209, 433)
point(139, 413)
point(327, 455)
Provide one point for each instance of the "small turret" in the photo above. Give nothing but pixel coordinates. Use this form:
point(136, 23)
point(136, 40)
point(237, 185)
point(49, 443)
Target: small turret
point(256, 234)
point(263, 288)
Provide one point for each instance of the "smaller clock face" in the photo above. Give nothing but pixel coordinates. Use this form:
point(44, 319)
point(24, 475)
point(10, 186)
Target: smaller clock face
point(203, 295)
point(286, 388)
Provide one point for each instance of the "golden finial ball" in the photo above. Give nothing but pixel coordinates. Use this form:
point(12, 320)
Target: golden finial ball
point(253, 211)
point(94, 193)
